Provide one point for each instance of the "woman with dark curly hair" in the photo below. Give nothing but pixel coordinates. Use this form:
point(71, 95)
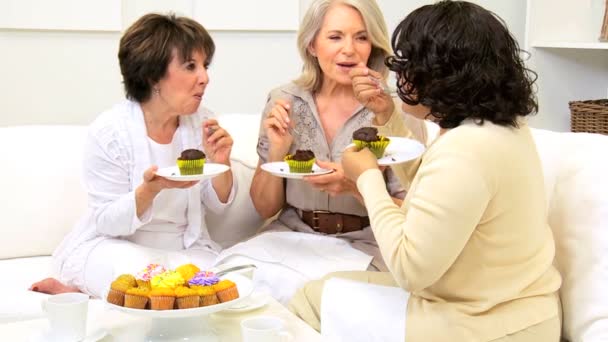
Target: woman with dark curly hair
point(471, 243)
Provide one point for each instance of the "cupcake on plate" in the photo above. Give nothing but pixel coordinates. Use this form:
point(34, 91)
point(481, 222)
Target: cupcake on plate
point(226, 291)
point(167, 280)
point(203, 278)
point(368, 137)
point(191, 162)
point(118, 289)
point(137, 297)
point(187, 271)
point(301, 161)
point(186, 298)
point(207, 295)
point(162, 298)
point(144, 276)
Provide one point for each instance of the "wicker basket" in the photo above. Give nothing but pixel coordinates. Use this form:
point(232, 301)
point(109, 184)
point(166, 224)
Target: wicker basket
point(589, 116)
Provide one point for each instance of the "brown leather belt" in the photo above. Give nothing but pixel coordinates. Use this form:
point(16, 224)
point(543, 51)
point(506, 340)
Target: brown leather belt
point(333, 223)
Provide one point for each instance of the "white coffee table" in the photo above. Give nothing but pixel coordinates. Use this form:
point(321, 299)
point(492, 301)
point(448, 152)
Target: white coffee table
point(119, 326)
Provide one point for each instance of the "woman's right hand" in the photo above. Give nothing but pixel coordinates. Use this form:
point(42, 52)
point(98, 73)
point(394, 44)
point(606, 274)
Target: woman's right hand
point(153, 183)
point(278, 125)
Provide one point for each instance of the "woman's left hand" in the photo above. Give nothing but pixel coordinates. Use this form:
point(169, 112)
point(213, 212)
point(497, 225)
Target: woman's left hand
point(334, 183)
point(217, 142)
point(355, 162)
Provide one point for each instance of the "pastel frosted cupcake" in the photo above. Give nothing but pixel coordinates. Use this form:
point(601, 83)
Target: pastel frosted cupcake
point(368, 137)
point(137, 297)
point(167, 280)
point(191, 162)
point(186, 298)
point(301, 161)
point(162, 298)
point(203, 278)
point(187, 271)
point(144, 276)
point(226, 291)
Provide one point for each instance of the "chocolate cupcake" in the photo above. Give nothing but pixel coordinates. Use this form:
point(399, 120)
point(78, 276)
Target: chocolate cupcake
point(191, 162)
point(368, 137)
point(300, 162)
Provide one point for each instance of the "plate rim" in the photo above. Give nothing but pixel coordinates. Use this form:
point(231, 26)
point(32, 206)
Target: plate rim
point(293, 175)
point(188, 178)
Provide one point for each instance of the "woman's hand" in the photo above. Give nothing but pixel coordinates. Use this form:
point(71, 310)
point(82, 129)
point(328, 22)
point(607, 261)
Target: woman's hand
point(152, 186)
point(355, 162)
point(217, 142)
point(369, 86)
point(277, 125)
point(334, 183)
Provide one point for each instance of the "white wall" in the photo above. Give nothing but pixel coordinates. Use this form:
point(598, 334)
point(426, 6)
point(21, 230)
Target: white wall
point(63, 71)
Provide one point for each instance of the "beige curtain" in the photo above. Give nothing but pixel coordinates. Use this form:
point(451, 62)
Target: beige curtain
point(604, 33)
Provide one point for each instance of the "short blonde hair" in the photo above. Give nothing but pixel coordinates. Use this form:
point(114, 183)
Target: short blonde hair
point(312, 76)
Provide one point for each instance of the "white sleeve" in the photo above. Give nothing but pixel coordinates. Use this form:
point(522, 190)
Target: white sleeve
point(106, 179)
point(209, 196)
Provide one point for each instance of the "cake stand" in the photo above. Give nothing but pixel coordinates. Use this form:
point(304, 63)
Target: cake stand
point(187, 324)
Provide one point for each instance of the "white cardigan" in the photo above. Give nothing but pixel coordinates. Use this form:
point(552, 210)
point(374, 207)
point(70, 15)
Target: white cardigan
point(116, 156)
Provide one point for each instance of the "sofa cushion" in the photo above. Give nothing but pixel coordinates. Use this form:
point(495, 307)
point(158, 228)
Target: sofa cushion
point(41, 195)
point(575, 168)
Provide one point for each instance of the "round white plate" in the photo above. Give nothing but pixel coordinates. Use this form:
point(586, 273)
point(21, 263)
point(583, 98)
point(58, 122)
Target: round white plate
point(254, 301)
point(209, 170)
point(400, 150)
point(281, 169)
point(243, 284)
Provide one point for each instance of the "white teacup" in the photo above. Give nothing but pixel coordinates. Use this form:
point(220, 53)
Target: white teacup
point(264, 329)
point(67, 314)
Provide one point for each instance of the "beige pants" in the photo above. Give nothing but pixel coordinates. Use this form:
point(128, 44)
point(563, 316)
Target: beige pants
point(306, 304)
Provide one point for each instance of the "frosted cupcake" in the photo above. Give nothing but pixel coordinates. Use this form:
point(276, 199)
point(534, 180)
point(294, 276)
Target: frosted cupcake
point(144, 276)
point(368, 137)
point(187, 271)
point(167, 280)
point(191, 162)
point(300, 162)
point(203, 278)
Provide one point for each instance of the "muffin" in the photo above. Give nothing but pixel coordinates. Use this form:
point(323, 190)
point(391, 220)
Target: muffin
point(368, 137)
point(207, 295)
point(137, 297)
point(144, 276)
point(226, 291)
point(187, 271)
point(203, 278)
point(128, 278)
point(186, 298)
point(118, 288)
point(168, 280)
point(300, 162)
point(162, 298)
point(191, 162)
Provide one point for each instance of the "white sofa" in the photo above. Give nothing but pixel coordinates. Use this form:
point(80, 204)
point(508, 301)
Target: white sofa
point(41, 198)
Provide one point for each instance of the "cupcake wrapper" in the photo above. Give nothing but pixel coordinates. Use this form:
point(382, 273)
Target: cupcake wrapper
point(209, 300)
point(228, 294)
point(296, 166)
point(378, 147)
point(190, 167)
point(135, 302)
point(161, 302)
point(116, 297)
point(361, 144)
point(187, 302)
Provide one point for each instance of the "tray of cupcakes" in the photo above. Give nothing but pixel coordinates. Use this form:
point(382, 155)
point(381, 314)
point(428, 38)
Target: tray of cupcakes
point(185, 291)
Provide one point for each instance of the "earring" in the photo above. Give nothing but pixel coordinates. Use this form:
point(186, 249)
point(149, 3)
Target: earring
point(156, 91)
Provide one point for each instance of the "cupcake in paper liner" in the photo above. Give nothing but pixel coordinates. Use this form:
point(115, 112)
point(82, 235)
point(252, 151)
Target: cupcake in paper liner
point(368, 137)
point(191, 162)
point(300, 162)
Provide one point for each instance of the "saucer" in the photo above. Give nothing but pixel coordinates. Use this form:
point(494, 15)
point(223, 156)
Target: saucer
point(209, 170)
point(253, 302)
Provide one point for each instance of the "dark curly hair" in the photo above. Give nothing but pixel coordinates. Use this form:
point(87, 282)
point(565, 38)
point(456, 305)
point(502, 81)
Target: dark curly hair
point(146, 49)
point(461, 61)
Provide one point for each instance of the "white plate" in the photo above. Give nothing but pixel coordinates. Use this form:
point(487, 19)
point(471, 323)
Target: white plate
point(243, 284)
point(209, 170)
point(400, 150)
point(281, 169)
point(255, 301)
